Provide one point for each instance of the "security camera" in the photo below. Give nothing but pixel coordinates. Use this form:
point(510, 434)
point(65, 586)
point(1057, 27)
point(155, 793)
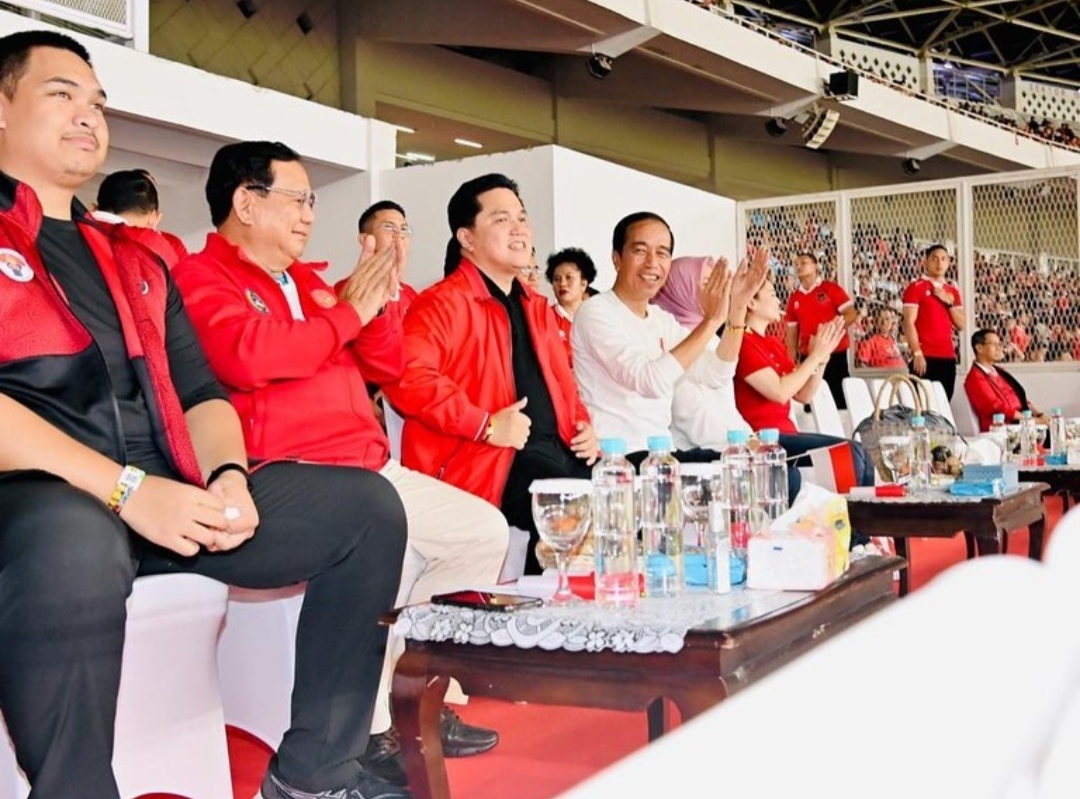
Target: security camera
point(599, 65)
point(776, 127)
point(911, 166)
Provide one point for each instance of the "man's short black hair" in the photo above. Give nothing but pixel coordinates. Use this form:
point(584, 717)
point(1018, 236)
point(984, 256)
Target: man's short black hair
point(128, 190)
point(245, 163)
point(463, 207)
point(15, 54)
point(381, 205)
point(618, 238)
point(932, 248)
point(978, 338)
point(572, 255)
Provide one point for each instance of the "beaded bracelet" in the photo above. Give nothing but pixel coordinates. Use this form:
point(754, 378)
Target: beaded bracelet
point(130, 479)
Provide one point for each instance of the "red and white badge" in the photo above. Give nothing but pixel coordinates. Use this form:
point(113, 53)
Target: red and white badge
point(14, 266)
point(256, 301)
point(323, 298)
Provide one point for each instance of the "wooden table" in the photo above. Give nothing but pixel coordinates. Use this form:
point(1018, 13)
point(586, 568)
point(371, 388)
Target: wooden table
point(718, 658)
point(1063, 480)
point(987, 521)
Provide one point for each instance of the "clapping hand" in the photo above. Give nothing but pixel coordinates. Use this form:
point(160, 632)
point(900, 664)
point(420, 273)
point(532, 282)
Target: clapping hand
point(374, 279)
point(749, 278)
point(825, 340)
point(715, 295)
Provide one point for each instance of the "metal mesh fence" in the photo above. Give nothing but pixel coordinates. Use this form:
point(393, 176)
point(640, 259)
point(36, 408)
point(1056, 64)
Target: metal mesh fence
point(1027, 285)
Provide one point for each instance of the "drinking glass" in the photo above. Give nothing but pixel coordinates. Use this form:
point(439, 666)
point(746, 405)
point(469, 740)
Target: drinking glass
point(695, 494)
point(562, 510)
point(896, 455)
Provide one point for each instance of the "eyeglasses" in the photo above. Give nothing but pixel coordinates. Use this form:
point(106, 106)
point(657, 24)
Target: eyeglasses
point(299, 196)
point(405, 231)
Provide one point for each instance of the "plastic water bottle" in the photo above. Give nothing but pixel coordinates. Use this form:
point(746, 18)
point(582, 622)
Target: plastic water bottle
point(921, 459)
point(1029, 448)
point(1058, 435)
point(738, 499)
point(614, 526)
point(770, 474)
point(999, 434)
point(662, 520)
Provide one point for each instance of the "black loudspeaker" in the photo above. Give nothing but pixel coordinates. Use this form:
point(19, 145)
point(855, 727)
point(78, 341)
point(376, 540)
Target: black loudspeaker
point(844, 85)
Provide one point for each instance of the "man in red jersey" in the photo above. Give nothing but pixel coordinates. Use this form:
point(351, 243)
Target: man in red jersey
point(932, 311)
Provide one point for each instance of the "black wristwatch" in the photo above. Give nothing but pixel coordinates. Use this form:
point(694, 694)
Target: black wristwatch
point(229, 467)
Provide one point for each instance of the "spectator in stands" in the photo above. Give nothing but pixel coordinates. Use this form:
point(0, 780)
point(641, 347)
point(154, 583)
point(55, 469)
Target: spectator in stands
point(767, 380)
point(932, 311)
point(130, 197)
point(990, 389)
point(814, 302)
point(881, 350)
point(385, 221)
point(531, 275)
point(121, 455)
point(570, 272)
point(294, 355)
point(485, 408)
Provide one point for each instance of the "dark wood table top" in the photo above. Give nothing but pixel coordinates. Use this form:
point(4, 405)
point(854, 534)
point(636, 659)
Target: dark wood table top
point(719, 657)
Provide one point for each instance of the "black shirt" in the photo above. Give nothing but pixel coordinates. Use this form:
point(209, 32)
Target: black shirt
point(70, 261)
point(528, 379)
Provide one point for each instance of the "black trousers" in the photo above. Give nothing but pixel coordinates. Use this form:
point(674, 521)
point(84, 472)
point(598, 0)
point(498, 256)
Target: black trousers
point(835, 372)
point(66, 568)
point(941, 369)
point(539, 460)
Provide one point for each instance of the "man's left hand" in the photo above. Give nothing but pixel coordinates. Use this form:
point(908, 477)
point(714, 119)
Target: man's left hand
point(232, 489)
point(585, 444)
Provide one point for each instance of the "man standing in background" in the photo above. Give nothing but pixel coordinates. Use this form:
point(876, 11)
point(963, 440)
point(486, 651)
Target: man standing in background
point(932, 311)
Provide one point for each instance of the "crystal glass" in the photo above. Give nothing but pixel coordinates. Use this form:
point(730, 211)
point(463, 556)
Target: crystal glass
point(695, 493)
point(896, 456)
point(562, 510)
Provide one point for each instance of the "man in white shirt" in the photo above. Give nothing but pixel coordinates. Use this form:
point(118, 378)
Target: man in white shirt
point(629, 355)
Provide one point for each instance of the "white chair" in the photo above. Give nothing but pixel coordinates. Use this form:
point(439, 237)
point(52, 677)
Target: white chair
point(826, 415)
point(940, 401)
point(967, 423)
point(170, 729)
point(859, 401)
point(394, 427)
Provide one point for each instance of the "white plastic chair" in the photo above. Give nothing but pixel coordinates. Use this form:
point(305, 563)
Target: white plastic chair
point(170, 729)
point(967, 423)
point(859, 401)
point(825, 413)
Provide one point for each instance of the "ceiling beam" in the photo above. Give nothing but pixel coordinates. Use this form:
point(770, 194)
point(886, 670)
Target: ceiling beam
point(855, 15)
point(777, 14)
point(941, 26)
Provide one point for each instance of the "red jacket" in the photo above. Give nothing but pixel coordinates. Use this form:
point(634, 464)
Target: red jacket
point(297, 385)
point(990, 395)
point(458, 371)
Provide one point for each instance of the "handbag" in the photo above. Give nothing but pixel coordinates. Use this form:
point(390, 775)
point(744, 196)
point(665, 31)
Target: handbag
point(892, 418)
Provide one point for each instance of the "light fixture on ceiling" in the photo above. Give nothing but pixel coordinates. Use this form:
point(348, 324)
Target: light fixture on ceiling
point(469, 143)
point(911, 166)
point(413, 157)
point(403, 128)
point(776, 127)
point(599, 65)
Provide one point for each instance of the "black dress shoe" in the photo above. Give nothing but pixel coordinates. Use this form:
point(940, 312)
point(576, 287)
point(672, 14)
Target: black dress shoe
point(462, 740)
point(383, 758)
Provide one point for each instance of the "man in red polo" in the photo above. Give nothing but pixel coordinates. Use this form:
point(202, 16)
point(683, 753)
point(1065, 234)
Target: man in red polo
point(813, 303)
point(932, 311)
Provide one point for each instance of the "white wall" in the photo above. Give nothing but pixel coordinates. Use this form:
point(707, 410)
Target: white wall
point(573, 200)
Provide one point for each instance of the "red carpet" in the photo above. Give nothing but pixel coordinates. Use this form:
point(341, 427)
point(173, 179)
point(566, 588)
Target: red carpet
point(546, 750)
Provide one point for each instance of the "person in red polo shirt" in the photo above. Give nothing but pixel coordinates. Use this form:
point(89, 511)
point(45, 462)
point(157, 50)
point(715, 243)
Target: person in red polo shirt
point(881, 350)
point(932, 311)
point(767, 380)
point(813, 303)
point(990, 389)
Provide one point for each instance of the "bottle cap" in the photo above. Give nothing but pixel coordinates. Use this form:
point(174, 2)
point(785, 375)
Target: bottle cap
point(613, 446)
point(1027, 414)
point(1057, 412)
point(918, 421)
point(737, 436)
point(659, 443)
point(770, 435)
point(998, 418)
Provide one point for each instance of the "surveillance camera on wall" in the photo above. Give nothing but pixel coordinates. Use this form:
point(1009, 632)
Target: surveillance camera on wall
point(911, 166)
point(599, 65)
point(776, 127)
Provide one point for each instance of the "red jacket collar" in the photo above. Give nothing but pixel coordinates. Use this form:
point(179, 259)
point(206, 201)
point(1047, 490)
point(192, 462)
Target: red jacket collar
point(479, 289)
point(222, 249)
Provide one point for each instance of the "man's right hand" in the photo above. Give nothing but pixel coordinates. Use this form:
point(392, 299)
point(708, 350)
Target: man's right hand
point(374, 278)
point(175, 515)
point(918, 364)
point(511, 426)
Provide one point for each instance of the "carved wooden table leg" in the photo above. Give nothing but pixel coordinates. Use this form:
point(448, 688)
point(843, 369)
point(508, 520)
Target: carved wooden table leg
point(902, 552)
point(989, 545)
point(1035, 538)
point(659, 716)
point(417, 698)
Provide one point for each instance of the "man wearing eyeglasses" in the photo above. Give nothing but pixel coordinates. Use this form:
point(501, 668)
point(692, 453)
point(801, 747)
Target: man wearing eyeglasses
point(385, 221)
point(294, 355)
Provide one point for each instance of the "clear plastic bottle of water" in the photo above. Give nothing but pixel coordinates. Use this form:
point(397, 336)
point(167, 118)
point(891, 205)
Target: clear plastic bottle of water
point(614, 526)
point(739, 499)
point(1058, 435)
point(1029, 448)
point(662, 520)
point(770, 474)
point(921, 458)
point(999, 434)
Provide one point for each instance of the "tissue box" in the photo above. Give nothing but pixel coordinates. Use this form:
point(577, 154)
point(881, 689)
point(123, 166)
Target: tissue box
point(1007, 473)
point(804, 550)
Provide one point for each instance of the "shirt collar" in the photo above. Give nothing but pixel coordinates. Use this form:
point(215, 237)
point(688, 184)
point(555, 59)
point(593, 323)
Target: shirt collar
point(935, 283)
point(813, 285)
point(990, 370)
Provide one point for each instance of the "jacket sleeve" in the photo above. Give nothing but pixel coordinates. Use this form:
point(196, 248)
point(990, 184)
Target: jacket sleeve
point(247, 348)
point(424, 391)
point(981, 395)
point(379, 347)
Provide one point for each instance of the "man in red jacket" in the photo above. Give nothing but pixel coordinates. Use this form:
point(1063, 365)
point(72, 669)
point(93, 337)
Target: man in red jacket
point(489, 400)
point(121, 455)
point(130, 197)
point(294, 355)
point(990, 389)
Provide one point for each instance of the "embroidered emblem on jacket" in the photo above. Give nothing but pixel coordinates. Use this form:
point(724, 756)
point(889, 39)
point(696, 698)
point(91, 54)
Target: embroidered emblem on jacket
point(14, 266)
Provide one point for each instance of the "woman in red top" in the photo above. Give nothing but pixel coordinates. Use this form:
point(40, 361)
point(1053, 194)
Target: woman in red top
point(570, 272)
point(767, 380)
